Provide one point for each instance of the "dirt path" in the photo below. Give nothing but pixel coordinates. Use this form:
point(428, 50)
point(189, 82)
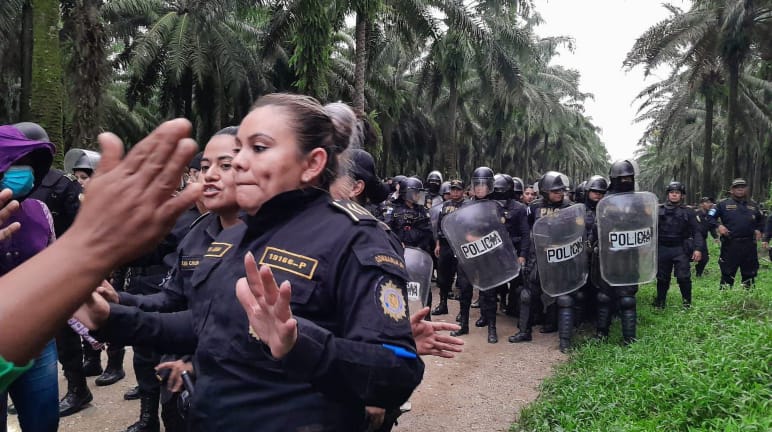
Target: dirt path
point(482, 389)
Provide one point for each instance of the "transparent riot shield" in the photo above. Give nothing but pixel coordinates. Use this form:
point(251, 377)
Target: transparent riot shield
point(480, 241)
point(434, 217)
point(627, 238)
point(561, 254)
point(419, 269)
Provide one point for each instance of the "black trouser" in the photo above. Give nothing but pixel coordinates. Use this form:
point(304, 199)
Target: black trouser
point(738, 252)
point(624, 297)
point(488, 301)
point(70, 353)
point(530, 299)
point(465, 296)
point(673, 259)
point(446, 268)
point(700, 267)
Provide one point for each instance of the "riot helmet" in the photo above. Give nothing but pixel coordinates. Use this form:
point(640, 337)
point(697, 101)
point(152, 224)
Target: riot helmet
point(676, 186)
point(622, 175)
point(82, 160)
point(396, 181)
point(552, 181)
point(411, 189)
point(32, 131)
point(597, 183)
point(444, 189)
point(434, 181)
point(579, 192)
point(502, 187)
point(482, 177)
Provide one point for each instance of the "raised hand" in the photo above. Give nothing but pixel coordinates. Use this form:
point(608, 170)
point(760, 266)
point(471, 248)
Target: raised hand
point(429, 341)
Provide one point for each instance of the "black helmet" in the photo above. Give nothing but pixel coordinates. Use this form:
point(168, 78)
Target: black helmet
point(517, 185)
point(433, 181)
point(676, 186)
point(396, 181)
point(483, 176)
point(411, 189)
point(32, 131)
point(623, 168)
point(502, 188)
point(597, 183)
point(444, 188)
point(579, 192)
point(553, 181)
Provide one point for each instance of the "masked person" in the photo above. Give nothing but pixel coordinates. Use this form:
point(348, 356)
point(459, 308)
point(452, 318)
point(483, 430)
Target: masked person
point(706, 225)
point(741, 224)
point(339, 337)
point(23, 166)
point(447, 264)
point(679, 242)
point(433, 195)
point(516, 220)
point(595, 188)
point(552, 187)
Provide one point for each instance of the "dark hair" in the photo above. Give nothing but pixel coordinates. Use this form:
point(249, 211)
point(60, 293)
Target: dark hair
point(314, 128)
point(230, 130)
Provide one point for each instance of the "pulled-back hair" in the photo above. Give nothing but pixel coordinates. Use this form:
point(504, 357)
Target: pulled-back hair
point(314, 128)
point(230, 130)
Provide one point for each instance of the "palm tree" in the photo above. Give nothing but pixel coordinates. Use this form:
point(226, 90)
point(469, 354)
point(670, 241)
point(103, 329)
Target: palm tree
point(47, 90)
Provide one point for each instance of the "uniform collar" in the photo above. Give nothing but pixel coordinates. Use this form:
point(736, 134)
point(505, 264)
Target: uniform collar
point(282, 208)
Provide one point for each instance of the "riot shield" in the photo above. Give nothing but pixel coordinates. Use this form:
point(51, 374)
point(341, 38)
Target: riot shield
point(82, 158)
point(434, 217)
point(480, 241)
point(561, 254)
point(419, 269)
point(627, 238)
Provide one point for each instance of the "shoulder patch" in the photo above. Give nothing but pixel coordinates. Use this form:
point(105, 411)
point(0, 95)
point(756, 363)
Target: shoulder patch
point(296, 264)
point(392, 300)
point(70, 177)
point(356, 212)
point(217, 249)
point(712, 212)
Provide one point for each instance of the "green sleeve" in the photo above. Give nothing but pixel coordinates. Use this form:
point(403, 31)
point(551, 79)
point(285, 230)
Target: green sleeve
point(9, 372)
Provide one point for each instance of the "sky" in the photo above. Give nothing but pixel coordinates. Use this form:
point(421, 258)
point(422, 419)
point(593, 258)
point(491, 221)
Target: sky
point(604, 31)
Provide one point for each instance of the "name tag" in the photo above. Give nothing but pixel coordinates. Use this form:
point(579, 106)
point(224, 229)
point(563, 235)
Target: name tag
point(565, 252)
point(413, 291)
point(482, 246)
point(630, 239)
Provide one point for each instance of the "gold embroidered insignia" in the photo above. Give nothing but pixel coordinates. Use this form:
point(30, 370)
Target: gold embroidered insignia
point(380, 259)
point(289, 262)
point(217, 249)
point(392, 301)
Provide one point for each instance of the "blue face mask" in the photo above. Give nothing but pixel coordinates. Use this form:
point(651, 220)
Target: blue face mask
point(19, 179)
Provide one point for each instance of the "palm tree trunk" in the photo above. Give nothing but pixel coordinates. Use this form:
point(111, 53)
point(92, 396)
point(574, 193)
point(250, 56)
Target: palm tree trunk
point(730, 170)
point(47, 89)
point(361, 64)
point(450, 152)
point(26, 61)
point(689, 174)
point(707, 149)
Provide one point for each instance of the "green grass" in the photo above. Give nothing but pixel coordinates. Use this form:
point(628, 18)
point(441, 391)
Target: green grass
point(703, 369)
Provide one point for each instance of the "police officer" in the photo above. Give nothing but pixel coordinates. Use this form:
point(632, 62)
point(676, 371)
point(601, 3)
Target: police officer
point(706, 225)
point(516, 220)
point(445, 191)
point(552, 187)
point(679, 240)
point(409, 219)
point(580, 192)
point(517, 189)
point(433, 183)
point(446, 261)
point(740, 228)
point(622, 175)
point(767, 236)
point(61, 194)
point(594, 190)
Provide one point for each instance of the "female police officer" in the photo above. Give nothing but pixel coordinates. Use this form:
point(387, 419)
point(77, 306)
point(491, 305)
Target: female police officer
point(336, 337)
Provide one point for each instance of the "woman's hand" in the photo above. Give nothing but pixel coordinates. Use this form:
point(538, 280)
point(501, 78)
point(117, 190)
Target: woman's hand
point(268, 308)
point(8, 206)
point(429, 341)
point(94, 312)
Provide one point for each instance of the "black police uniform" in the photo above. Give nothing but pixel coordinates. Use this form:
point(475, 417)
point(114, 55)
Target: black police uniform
point(678, 236)
point(706, 225)
point(61, 194)
point(585, 296)
point(516, 216)
point(768, 234)
point(531, 291)
point(355, 346)
point(738, 248)
point(447, 264)
point(411, 225)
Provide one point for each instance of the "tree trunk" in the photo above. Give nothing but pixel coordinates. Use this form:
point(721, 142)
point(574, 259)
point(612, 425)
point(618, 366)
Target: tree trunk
point(361, 64)
point(730, 169)
point(689, 189)
point(47, 90)
point(707, 149)
point(26, 61)
point(450, 152)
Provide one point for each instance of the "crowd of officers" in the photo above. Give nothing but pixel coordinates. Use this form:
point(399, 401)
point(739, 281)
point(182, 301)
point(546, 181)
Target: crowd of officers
point(682, 239)
point(415, 212)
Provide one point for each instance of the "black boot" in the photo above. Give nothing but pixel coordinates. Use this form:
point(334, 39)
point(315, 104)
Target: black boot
point(132, 393)
point(492, 336)
point(520, 336)
point(442, 307)
point(685, 285)
point(481, 322)
point(92, 362)
point(604, 316)
point(464, 322)
point(148, 415)
point(77, 397)
point(661, 300)
point(565, 322)
point(628, 317)
point(458, 317)
point(114, 371)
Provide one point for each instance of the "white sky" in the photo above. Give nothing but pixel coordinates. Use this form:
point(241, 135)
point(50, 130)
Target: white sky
point(604, 31)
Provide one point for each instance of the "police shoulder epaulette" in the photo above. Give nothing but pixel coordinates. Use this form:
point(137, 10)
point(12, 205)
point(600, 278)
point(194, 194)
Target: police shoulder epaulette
point(71, 177)
point(356, 212)
point(199, 219)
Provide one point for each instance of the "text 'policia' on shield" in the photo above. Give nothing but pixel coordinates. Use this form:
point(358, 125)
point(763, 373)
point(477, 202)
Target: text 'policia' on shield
point(565, 252)
point(629, 239)
point(481, 246)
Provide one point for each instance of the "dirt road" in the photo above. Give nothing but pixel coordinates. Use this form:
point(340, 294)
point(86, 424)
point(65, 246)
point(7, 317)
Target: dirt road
point(482, 389)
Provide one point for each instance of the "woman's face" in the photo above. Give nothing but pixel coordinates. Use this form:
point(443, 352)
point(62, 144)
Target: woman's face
point(217, 174)
point(81, 176)
point(268, 160)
